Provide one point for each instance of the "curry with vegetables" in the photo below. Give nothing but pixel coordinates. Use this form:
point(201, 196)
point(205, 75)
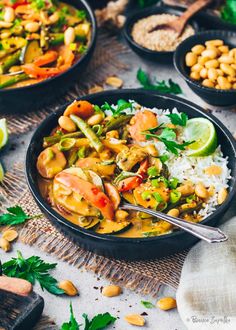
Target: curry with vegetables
point(39, 40)
point(99, 156)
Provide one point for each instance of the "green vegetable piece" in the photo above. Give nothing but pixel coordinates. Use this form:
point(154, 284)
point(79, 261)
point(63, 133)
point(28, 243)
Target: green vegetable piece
point(9, 61)
point(157, 197)
point(56, 39)
point(152, 171)
point(73, 156)
point(82, 152)
point(72, 324)
point(160, 86)
point(30, 52)
point(173, 183)
point(99, 322)
point(13, 80)
point(164, 158)
point(178, 118)
point(52, 139)
point(155, 183)
point(147, 304)
point(66, 144)
point(115, 123)
point(124, 174)
point(175, 196)
point(146, 195)
point(15, 216)
point(190, 198)
point(98, 130)
point(32, 269)
point(88, 132)
point(50, 155)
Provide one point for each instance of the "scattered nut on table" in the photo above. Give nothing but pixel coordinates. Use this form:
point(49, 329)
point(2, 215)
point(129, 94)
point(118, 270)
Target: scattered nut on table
point(135, 319)
point(95, 89)
point(68, 287)
point(10, 235)
point(5, 245)
point(114, 82)
point(166, 303)
point(111, 291)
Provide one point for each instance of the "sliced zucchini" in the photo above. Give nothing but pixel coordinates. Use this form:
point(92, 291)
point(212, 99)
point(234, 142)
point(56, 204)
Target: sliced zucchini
point(93, 223)
point(95, 179)
point(111, 227)
point(78, 172)
point(30, 52)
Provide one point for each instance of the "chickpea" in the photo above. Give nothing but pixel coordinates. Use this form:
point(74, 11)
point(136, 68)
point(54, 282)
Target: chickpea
point(201, 191)
point(232, 52)
point(216, 50)
point(198, 49)
point(195, 75)
point(217, 86)
point(186, 189)
point(227, 69)
point(219, 72)
point(9, 14)
point(212, 74)
point(121, 215)
point(166, 303)
point(204, 73)
point(215, 42)
point(225, 58)
point(67, 124)
point(222, 195)
point(211, 53)
point(197, 67)
point(203, 60)
point(190, 59)
point(223, 49)
point(223, 83)
point(173, 213)
point(233, 66)
point(212, 64)
point(69, 35)
point(208, 83)
point(231, 79)
point(32, 27)
point(95, 119)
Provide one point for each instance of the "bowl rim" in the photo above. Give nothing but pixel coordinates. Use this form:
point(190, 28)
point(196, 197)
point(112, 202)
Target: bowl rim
point(179, 53)
point(142, 13)
point(113, 238)
point(93, 22)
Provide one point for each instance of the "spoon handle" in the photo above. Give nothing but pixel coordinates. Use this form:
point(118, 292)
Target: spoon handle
point(193, 9)
point(206, 233)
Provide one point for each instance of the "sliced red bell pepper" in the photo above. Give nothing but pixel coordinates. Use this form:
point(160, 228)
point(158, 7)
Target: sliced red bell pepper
point(90, 193)
point(36, 72)
point(46, 58)
point(133, 182)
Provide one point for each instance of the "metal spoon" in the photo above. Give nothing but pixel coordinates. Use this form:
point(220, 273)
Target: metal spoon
point(206, 233)
point(179, 23)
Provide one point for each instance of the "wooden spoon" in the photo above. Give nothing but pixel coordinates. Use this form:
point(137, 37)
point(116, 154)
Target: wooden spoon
point(179, 23)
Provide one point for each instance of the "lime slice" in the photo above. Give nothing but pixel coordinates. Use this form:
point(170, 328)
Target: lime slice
point(203, 132)
point(1, 173)
point(3, 133)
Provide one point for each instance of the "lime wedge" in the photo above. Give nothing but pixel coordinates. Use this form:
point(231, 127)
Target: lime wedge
point(1, 173)
point(203, 132)
point(3, 133)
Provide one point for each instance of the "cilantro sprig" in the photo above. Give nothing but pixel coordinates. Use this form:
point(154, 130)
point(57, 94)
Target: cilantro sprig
point(147, 304)
point(33, 269)
point(178, 118)
point(98, 322)
point(15, 216)
point(121, 106)
point(169, 87)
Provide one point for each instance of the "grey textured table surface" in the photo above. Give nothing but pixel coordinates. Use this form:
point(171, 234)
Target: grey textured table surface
point(90, 300)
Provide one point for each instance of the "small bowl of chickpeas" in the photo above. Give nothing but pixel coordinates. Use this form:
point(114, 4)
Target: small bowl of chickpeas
point(207, 62)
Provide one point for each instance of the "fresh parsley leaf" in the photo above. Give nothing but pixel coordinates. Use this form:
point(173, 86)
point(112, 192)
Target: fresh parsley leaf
point(160, 86)
point(167, 134)
point(81, 14)
point(146, 3)
point(72, 324)
point(15, 216)
point(147, 304)
point(228, 11)
point(173, 183)
point(32, 269)
point(178, 119)
point(121, 105)
point(99, 322)
point(164, 158)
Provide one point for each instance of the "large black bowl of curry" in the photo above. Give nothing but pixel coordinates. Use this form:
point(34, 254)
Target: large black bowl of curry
point(40, 88)
point(116, 246)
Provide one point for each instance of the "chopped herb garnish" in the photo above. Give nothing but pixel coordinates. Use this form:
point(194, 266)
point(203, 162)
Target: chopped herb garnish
point(98, 322)
point(15, 216)
point(152, 171)
point(72, 324)
point(190, 198)
point(82, 49)
point(146, 195)
point(147, 304)
point(175, 196)
point(155, 183)
point(151, 233)
point(121, 105)
point(81, 14)
point(178, 118)
point(228, 11)
point(169, 87)
point(164, 158)
point(32, 269)
point(157, 197)
point(173, 183)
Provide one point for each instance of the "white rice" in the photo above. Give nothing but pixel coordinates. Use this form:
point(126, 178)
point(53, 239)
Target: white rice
point(185, 168)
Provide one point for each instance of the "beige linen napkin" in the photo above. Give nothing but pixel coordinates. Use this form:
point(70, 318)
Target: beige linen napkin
point(206, 296)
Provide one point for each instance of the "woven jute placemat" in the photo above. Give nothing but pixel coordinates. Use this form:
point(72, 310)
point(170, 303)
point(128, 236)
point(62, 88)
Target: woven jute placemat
point(142, 276)
point(106, 61)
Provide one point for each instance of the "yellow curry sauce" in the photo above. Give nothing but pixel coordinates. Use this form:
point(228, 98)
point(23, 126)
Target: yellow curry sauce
point(92, 160)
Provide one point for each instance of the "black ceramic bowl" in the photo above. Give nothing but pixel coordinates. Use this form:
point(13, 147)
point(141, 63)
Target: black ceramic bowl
point(217, 97)
point(130, 248)
point(145, 52)
point(30, 97)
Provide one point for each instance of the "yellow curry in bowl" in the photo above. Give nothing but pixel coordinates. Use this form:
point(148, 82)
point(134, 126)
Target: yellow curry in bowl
point(40, 39)
point(98, 156)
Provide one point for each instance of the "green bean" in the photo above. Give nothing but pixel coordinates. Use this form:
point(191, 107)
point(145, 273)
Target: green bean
point(13, 80)
point(9, 61)
point(81, 152)
point(88, 132)
point(50, 140)
point(117, 122)
point(72, 156)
